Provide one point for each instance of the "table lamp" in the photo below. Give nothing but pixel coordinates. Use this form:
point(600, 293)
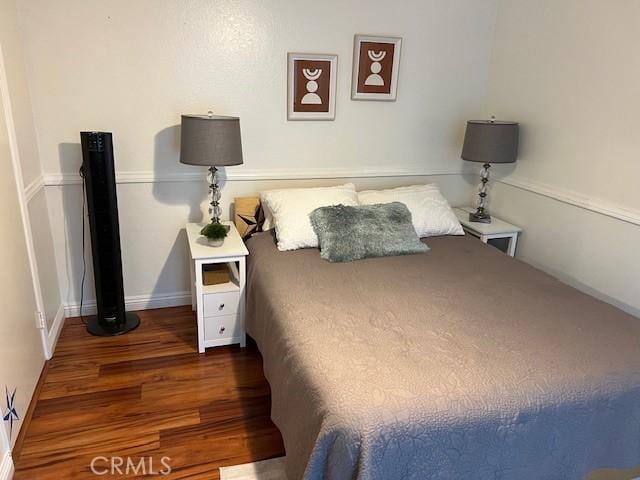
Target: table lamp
point(487, 142)
point(212, 141)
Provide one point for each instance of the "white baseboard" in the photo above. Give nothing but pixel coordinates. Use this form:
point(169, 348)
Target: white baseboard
point(54, 331)
point(135, 302)
point(6, 467)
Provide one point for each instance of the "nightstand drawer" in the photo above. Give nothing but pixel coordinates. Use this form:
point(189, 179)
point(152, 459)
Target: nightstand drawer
point(222, 327)
point(224, 303)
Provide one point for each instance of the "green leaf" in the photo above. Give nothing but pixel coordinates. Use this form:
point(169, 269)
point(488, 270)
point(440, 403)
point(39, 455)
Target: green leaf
point(216, 231)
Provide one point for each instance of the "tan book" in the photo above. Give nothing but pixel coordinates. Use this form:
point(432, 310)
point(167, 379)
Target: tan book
point(215, 274)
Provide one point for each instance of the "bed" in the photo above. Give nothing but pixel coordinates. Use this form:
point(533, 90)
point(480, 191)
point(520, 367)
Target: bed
point(459, 363)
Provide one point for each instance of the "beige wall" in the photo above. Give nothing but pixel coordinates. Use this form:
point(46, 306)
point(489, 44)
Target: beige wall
point(45, 256)
point(20, 98)
point(25, 234)
point(21, 355)
point(569, 72)
point(593, 252)
point(22, 125)
point(133, 67)
point(152, 218)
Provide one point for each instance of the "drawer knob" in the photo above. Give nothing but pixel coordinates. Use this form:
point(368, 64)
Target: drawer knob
point(222, 329)
point(221, 306)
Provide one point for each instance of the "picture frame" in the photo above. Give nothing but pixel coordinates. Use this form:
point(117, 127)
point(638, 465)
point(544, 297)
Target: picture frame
point(376, 64)
point(311, 86)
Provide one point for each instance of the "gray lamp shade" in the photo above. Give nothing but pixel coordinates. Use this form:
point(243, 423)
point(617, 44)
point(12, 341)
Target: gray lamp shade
point(210, 140)
point(489, 141)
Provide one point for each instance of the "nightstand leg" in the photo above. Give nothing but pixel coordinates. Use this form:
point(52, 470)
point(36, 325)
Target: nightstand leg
point(199, 306)
point(512, 245)
point(193, 286)
point(242, 268)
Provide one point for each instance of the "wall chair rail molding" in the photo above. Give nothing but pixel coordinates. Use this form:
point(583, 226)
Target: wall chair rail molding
point(57, 179)
point(33, 188)
point(596, 205)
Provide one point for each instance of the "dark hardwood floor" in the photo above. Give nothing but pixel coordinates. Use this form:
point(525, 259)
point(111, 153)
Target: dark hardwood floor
point(148, 395)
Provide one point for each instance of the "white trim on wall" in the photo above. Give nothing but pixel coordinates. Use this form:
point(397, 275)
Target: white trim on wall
point(6, 462)
point(54, 331)
point(33, 188)
point(135, 302)
point(6, 466)
point(256, 175)
point(597, 205)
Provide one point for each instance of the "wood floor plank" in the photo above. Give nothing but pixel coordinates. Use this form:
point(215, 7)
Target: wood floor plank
point(106, 437)
point(17, 447)
point(85, 401)
point(209, 454)
point(148, 394)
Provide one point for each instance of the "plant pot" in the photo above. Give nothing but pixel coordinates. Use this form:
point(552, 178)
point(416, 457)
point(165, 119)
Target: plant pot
point(215, 242)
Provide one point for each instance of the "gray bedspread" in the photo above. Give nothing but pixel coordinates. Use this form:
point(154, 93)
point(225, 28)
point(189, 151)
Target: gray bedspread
point(459, 363)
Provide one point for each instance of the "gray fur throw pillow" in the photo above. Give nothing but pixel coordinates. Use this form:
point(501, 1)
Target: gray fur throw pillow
point(351, 233)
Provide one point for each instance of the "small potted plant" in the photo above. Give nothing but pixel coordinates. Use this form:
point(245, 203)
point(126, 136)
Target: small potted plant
point(215, 233)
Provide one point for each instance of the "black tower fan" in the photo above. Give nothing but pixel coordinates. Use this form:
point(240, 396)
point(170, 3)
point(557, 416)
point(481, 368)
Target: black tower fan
point(102, 203)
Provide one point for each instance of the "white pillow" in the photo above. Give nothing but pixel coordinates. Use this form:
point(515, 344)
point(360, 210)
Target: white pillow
point(290, 209)
point(430, 212)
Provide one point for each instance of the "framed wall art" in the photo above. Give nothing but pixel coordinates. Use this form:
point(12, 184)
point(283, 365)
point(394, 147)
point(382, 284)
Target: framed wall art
point(376, 61)
point(311, 86)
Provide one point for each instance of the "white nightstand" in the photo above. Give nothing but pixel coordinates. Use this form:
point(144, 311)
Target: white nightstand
point(496, 230)
point(220, 308)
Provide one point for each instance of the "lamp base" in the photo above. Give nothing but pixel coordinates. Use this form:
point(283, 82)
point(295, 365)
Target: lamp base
point(480, 217)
